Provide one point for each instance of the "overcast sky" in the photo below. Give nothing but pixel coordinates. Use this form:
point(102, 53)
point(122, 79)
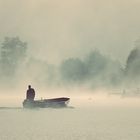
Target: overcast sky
point(57, 29)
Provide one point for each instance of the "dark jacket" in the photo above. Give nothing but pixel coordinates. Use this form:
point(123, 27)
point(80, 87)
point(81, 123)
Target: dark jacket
point(30, 94)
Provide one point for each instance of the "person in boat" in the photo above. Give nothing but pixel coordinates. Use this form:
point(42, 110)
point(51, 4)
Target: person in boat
point(30, 95)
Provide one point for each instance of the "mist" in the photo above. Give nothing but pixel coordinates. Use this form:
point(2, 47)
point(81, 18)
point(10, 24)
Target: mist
point(70, 44)
point(94, 70)
point(86, 50)
point(72, 27)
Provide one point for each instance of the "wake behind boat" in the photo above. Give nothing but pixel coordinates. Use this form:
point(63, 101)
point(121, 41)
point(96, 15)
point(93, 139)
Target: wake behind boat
point(45, 103)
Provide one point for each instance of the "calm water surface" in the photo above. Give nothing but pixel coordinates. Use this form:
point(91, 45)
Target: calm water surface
point(96, 121)
point(70, 124)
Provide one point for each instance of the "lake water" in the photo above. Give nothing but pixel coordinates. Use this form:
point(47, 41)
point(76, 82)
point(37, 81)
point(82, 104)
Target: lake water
point(90, 119)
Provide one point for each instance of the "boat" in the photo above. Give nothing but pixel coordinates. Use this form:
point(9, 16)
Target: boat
point(46, 103)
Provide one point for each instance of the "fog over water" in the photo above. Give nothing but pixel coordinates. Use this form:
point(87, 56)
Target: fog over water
point(87, 50)
point(63, 37)
point(99, 117)
point(89, 41)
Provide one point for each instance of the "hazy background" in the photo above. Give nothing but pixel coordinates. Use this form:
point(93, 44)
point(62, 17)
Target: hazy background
point(72, 48)
point(60, 29)
point(90, 43)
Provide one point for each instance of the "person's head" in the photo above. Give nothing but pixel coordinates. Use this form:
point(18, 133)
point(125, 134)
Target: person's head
point(29, 86)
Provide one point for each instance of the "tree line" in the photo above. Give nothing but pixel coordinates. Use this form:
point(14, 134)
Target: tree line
point(95, 70)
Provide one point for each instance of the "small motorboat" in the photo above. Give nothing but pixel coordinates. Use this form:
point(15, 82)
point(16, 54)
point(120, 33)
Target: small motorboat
point(45, 103)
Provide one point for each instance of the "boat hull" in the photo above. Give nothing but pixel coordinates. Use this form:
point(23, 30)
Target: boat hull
point(54, 102)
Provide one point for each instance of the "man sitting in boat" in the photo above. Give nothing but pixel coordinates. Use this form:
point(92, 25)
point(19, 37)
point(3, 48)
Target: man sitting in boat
point(30, 95)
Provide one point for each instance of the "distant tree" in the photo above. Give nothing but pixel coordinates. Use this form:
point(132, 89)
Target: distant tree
point(96, 63)
point(73, 70)
point(133, 63)
point(133, 60)
point(96, 69)
point(13, 51)
point(132, 69)
point(102, 70)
